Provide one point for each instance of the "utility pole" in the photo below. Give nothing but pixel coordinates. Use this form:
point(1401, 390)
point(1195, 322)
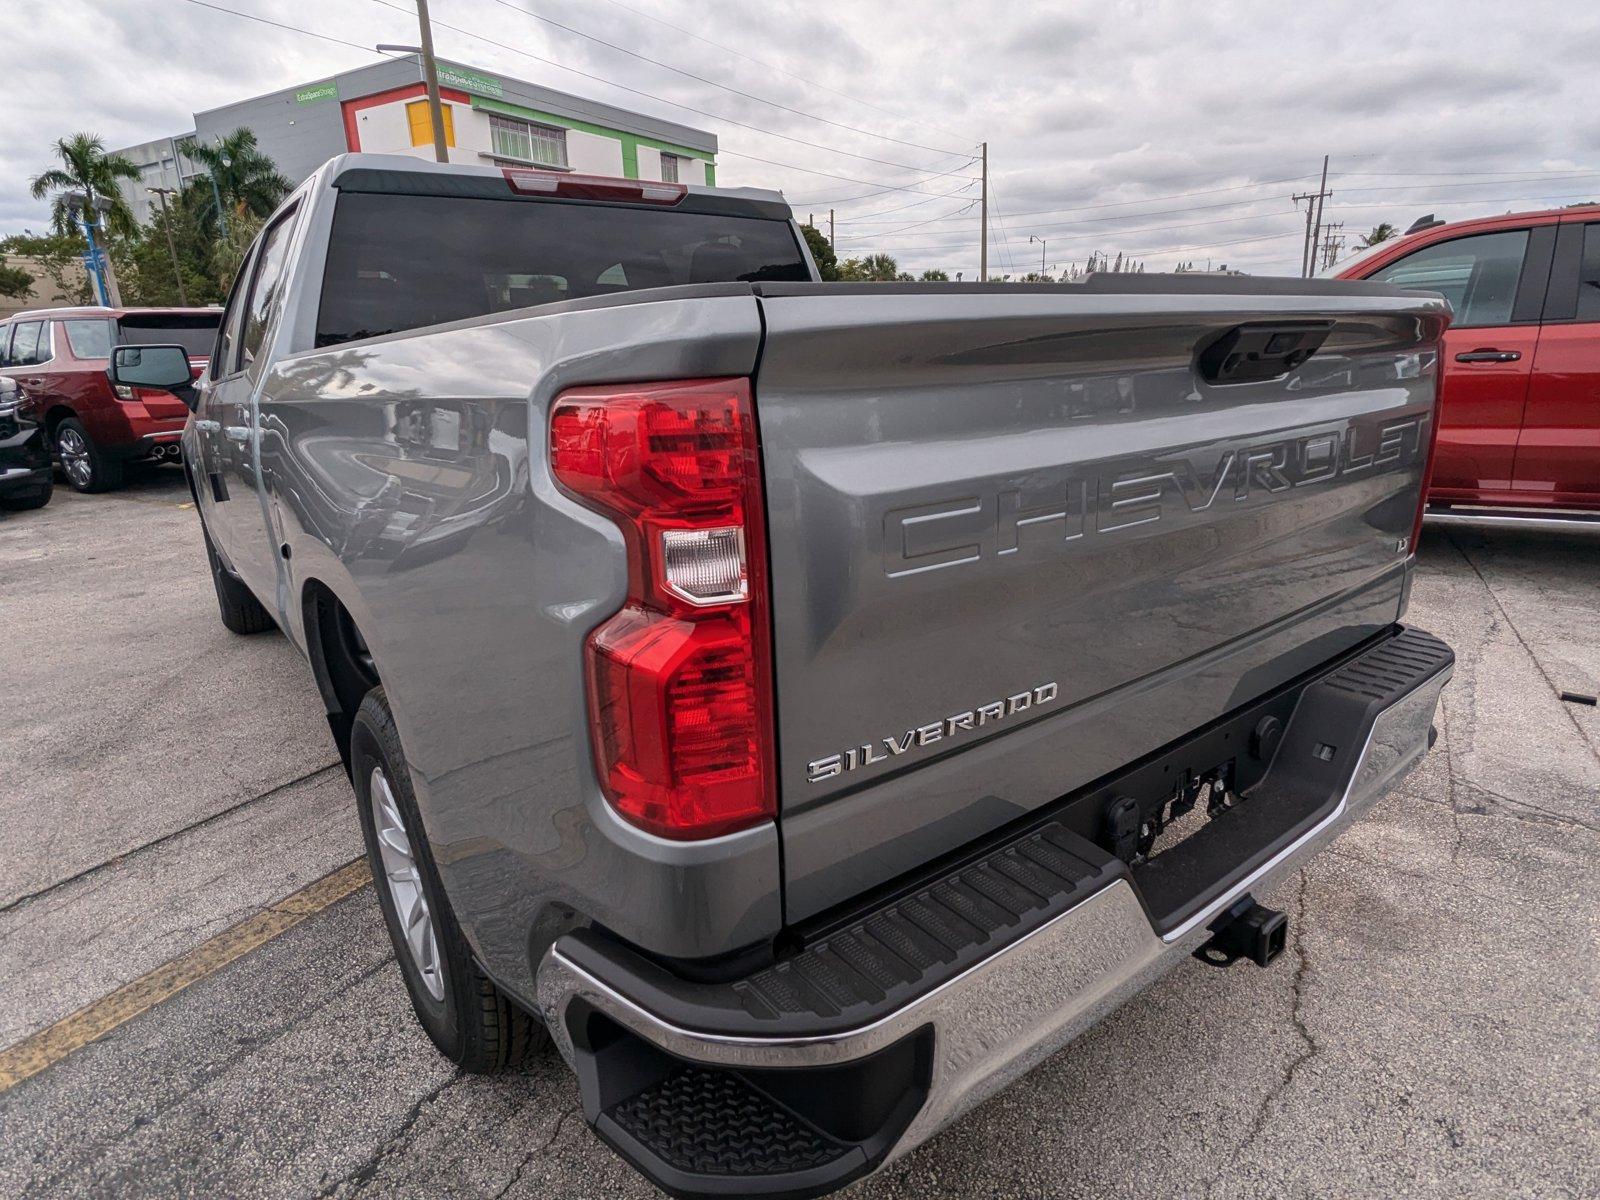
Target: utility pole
point(430, 72)
point(830, 230)
point(1332, 243)
point(1042, 245)
point(1308, 252)
point(983, 248)
point(172, 247)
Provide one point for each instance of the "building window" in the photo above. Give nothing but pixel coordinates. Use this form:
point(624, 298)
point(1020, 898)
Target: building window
point(669, 168)
point(422, 125)
point(526, 142)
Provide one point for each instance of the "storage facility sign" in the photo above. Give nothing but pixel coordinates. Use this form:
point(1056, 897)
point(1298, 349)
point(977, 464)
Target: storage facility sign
point(470, 81)
point(319, 91)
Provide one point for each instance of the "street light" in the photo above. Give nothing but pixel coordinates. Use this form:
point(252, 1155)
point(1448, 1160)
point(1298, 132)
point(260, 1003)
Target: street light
point(105, 279)
point(1041, 242)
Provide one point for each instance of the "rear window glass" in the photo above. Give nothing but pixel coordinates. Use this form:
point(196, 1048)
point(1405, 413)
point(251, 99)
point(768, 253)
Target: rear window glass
point(403, 262)
point(89, 339)
point(195, 332)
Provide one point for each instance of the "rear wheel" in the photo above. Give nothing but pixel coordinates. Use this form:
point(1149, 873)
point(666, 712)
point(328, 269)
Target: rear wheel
point(34, 499)
point(85, 465)
point(241, 612)
point(471, 1021)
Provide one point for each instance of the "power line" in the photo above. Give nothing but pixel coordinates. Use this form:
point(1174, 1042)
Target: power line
point(868, 195)
point(861, 237)
point(783, 70)
point(1455, 200)
point(872, 217)
point(233, 12)
point(799, 112)
point(550, 62)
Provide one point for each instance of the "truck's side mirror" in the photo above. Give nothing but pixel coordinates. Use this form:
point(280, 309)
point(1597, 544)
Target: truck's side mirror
point(152, 367)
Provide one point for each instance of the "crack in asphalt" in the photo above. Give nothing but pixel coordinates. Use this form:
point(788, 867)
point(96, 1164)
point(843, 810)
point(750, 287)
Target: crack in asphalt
point(1308, 1051)
point(364, 1174)
point(29, 897)
point(527, 1159)
point(1583, 734)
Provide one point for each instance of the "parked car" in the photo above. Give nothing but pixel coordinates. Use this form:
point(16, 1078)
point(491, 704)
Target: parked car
point(59, 357)
point(779, 693)
point(25, 480)
point(1519, 403)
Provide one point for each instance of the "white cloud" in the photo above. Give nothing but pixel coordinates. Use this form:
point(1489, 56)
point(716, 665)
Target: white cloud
point(1083, 105)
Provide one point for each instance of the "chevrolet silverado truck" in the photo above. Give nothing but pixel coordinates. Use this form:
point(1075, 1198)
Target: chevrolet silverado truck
point(808, 705)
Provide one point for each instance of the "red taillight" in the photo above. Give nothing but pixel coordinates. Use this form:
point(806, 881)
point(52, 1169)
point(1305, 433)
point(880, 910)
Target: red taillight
point(532, 182)
point(680, 684)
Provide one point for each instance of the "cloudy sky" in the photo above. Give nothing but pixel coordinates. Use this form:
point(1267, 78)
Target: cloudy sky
point(1168, 131)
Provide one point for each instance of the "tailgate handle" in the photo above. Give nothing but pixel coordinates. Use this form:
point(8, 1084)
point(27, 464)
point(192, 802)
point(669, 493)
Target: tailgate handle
point(1258, 352)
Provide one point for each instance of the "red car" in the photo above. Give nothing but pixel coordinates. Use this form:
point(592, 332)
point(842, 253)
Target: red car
point(59, 357)
point(1519, 397)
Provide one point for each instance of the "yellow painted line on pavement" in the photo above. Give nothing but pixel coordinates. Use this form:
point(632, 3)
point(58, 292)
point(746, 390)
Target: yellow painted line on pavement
point(92, 1022)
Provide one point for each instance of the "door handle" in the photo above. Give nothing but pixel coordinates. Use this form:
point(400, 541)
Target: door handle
point(204, 426)
point(1476, 356)
point(236, 433)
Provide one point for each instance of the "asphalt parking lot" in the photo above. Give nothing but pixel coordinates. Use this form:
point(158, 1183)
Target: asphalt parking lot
point(1431, 1031)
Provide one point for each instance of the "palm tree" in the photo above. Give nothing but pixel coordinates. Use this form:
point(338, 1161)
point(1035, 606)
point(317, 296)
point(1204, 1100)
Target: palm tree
point(246, 180)
point(87, 168)
point(1381, 232)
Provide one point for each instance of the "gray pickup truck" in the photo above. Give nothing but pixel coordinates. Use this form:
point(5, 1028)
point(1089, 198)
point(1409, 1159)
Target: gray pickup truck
point(809, 705)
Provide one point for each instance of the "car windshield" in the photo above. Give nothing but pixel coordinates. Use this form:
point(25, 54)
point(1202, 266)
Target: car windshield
point(399, 262)
point(195, 332)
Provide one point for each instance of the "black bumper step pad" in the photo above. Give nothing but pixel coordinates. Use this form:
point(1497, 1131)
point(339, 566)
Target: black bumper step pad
point(714, 1123)
point(876, 964)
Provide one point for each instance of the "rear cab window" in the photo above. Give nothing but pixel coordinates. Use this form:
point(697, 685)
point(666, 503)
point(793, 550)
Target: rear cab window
point(195, 332)
point(398, 262)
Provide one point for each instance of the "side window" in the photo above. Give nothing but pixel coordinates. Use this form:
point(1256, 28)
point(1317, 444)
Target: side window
point(222, 355)
point(1477, 274)
point(1589, 275)
point(265, 298)
point(5, 345)
point(24, 345)
point(89, 339)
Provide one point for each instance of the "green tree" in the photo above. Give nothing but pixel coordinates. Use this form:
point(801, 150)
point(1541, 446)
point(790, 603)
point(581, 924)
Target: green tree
point(247, 181)
point(148, 276)
point(821, 252)
point(87, 168)
point(1381, 232)
point(874, 268)
point(15, 283)
point(934, 275)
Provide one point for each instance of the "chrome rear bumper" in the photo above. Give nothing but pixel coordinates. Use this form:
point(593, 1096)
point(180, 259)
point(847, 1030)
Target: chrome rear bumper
point(1008, 1012)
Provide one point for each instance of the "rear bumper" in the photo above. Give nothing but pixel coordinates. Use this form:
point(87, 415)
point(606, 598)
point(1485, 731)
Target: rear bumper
point(976, 1028)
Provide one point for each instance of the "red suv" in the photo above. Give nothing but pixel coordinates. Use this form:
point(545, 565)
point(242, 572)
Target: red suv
point(1519, 397)
point(59, 357)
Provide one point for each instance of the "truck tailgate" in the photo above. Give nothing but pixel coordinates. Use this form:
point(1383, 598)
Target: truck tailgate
point(1018, 540)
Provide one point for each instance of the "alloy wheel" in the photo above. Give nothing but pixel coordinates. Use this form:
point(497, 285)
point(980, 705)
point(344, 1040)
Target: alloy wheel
point(404, 880)
point(73, 450)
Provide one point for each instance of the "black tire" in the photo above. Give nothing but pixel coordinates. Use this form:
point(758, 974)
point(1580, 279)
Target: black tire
point(472, 1022)
point(86, 466)
point(241, 612)
point(34, 499)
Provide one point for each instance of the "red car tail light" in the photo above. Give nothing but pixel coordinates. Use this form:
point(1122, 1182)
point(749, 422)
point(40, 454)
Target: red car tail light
point(680, 681)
